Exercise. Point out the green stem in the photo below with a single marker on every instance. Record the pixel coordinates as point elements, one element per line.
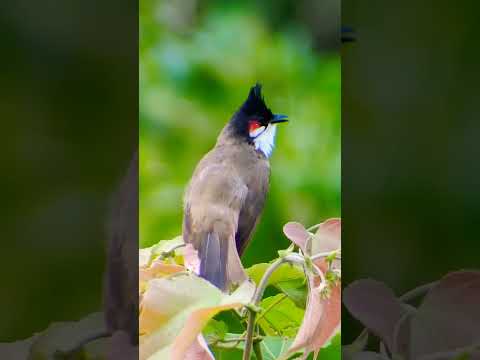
<point>257,350</point>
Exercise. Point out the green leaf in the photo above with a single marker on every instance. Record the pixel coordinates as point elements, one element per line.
<point>280,316</point>
<point>215,330</point>
<point>227,354</point>
<point>288,278</point>
<point>232,320</point>
<point>296,290</point>
<point>285,272</point>
<point>165,246</point>
<point>273,346</point>
<point>332,350</point>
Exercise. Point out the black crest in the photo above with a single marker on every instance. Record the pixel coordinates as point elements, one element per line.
<point>255,105</point>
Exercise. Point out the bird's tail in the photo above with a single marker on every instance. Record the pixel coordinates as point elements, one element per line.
<point>213,254</point>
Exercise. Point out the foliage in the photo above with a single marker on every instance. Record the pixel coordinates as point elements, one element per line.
<point>182,315</point>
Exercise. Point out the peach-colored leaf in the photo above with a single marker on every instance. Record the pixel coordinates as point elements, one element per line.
<point>297,233</point>
<point>158,269</point>
<point>174,311</point>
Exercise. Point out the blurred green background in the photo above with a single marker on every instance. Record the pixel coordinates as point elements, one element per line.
<point>197,63</point>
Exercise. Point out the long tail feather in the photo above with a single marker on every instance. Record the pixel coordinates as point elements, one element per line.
<point>213,253</point>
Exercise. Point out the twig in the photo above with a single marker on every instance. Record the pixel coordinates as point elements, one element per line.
<point>227,343</point>
<point>325,254</point>
<point>166,254</point>
<point>311,228</point>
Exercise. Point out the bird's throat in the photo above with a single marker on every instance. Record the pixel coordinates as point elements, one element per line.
<point>265,142</point>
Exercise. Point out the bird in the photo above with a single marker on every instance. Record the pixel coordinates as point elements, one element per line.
<point>226,194</point>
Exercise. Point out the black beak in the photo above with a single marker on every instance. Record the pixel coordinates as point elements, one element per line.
<point>277,118</point>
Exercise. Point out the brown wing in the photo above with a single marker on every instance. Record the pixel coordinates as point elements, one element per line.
<point>213,202</point>
<point>253,205</point>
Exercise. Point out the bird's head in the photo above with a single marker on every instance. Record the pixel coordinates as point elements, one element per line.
<point>255,123</point>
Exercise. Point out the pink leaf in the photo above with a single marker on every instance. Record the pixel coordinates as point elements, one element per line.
<point>199,350</point>
<point>321,320</point>
<point>328,236</point>
<point>297,233</point>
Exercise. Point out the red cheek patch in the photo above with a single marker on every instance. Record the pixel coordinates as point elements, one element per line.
<point>253,125</point>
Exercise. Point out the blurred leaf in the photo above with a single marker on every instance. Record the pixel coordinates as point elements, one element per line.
<point>18,350</point>
<point>350,351</point>
<point>452,308</point>
<point>365,298</point>
<point>65,336</point>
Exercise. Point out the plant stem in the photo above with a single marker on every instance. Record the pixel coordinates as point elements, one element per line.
<point>257,350</point>
<point>291,258</point>
<point>311,228</point>
<point>323,254</point>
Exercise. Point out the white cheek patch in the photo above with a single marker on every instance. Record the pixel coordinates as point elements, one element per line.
<point>257,131</point>
<point>266,140</point>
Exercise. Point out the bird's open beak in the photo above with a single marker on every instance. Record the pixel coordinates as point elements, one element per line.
<point>277,118</point>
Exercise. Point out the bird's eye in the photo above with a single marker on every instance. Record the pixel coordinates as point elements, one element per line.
<point>253,125</point>
<point>255,128</point>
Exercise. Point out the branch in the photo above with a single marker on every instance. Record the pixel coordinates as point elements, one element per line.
<point>325,254</point>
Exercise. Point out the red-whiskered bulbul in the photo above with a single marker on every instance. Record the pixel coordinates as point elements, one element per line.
<point>227,191</point>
